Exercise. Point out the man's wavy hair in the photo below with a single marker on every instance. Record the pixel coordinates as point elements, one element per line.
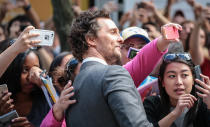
<point>84,25</point>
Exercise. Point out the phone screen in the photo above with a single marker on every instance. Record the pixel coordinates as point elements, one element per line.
<point>132,52</point>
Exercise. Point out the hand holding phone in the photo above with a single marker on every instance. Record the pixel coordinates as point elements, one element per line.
<point>132,52</point>
<point>5,120</point>
<point>170,31</point>
<point>197,74</point>
<point>45,36</point>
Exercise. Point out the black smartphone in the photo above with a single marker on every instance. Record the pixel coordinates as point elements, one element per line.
<point>198,72</point>
<point>5,120</point>
<point>132,52</point>
<point>197,75</point>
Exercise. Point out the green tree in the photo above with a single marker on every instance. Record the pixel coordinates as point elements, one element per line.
<point>62,17</point>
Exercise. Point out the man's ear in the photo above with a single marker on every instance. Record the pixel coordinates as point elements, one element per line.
<point>90,40</point>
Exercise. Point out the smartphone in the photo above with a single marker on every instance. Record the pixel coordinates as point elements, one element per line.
<point>45,36</point>
<point>3,88</point>
<point>197,75</point>
<point>171,33</point>
<point>198,72</point>
<point>132,52</point>
<point>5,120</point>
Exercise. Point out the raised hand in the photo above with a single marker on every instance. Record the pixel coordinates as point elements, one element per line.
<point>175,26</point>
<point>23,42</point>
<point>34,75</point>
<point>63,102</point>
<point>204,89</point>
<point>6,103</point>
<point>185,101</point>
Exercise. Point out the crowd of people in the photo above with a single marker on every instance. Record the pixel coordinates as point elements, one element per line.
<point>98,84</point>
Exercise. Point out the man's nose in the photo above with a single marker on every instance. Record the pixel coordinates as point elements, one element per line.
<point>120,40</point>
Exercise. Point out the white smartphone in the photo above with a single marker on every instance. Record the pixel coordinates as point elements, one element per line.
<point>3,88</point>
<point>46,37</point>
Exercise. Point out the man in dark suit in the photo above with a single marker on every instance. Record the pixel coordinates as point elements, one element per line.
<point>106,95</point>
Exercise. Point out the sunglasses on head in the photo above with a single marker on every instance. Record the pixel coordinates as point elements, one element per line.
<point>71,65</point>
<point>173,56</point>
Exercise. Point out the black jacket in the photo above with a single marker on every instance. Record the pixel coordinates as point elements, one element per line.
<point>154,111</point>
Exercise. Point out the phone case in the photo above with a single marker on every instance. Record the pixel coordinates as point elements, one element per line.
<point>132,52</point>
<point>171,33</point>
<point>5,119</point>
<point>46,37</point>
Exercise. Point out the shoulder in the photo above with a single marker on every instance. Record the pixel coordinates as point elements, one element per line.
<point>116,78</point>
<point>117,73</point>
<point>116,69</point>
<point>152,101</point>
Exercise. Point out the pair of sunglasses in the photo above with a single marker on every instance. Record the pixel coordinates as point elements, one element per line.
<point>71,66</point>
<point>182,56</point>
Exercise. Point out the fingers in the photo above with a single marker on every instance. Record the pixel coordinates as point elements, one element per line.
<point>68,84</point>
<point>205,83</point>
<point>27,29</point>
<point>177,26</point>
<point>205,91</point>
<point>20,122</point>
<point>186,100</point>
<point>206,79</point>
<point>67,90</point>
<point>5,98</point>
<point>201,95</point>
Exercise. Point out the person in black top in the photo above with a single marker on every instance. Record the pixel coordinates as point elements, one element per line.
<point>179,105</point>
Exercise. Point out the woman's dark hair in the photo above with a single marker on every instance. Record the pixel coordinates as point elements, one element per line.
<point>12,76</point>
<point>20,18</point>
<point>84,25</point>
<point>179,13</point>
<point>163,94</point>
<point>57,61</point>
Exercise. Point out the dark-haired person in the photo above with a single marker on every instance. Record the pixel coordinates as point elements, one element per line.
<point>57,67</point>
<point>55,117</point>
<point>177,105</point>
<point>112,97</point>
<point>29,100</point>
<point>106,95</point>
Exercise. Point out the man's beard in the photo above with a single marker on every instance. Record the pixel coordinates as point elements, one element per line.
<point>113,60</point>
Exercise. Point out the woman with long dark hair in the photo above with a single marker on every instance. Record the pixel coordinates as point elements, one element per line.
<point>178,105</point>
<point>28,98</point>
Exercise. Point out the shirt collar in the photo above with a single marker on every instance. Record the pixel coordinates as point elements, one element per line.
<point>94,59</point>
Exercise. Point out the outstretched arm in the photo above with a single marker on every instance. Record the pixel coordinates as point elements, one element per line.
<point>23,43</point>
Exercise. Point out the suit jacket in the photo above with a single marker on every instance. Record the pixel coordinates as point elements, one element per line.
<point>106,97</point>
